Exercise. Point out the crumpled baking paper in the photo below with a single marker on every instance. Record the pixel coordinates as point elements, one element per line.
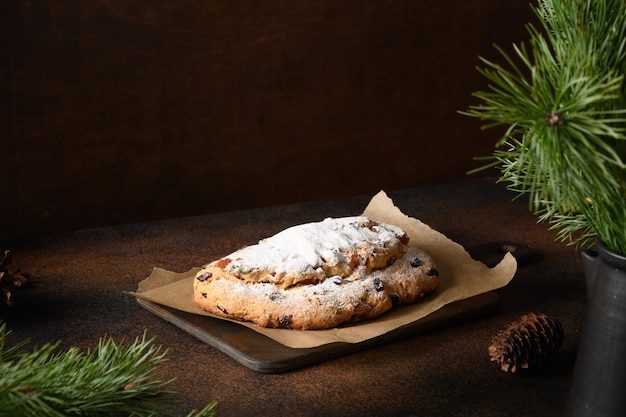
<point>460,277</point>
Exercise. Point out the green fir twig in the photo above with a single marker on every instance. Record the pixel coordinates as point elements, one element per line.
<point>114,379</point>
<point>562,100</point>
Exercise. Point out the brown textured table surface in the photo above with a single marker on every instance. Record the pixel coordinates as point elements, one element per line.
<point>77,296</point>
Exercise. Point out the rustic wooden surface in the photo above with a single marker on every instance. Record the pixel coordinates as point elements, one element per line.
<point>115,112</point>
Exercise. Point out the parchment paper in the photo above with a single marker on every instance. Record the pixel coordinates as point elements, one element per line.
<point>460,277</point>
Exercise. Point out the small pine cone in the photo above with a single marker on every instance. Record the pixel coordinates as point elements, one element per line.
<point>10,280</point>
<point>526,343</point>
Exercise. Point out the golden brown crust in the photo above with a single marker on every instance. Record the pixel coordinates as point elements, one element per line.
<point>355,269</point>
<point>328,304</point>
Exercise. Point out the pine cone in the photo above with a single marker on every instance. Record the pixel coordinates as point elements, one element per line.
<point>526,343</point>
<point>10,280</point>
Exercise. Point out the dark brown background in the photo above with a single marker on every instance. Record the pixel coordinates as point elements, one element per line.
<point>124,111</point>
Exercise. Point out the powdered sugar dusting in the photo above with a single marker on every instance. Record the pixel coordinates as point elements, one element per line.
<point>306,249</point>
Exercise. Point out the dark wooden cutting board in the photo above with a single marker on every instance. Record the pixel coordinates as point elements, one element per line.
<point>263,354</point>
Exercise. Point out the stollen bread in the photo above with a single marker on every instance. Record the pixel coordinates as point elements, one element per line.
<point>318,275</point>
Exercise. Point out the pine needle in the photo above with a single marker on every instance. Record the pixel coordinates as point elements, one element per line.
<point>114,379</point>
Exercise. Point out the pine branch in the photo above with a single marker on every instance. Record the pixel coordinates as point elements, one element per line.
<point>115,379</point>
<point>563,101</point>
